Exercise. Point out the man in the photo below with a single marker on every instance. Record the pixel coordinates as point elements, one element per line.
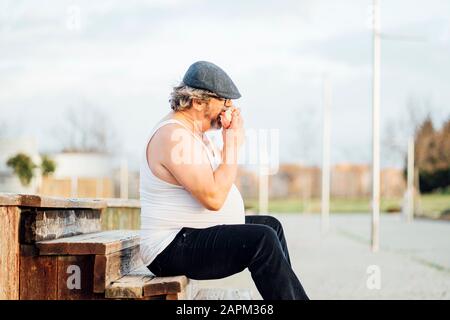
<point>192,217</point>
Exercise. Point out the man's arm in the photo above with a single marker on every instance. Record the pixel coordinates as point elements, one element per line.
<point>186,159</point>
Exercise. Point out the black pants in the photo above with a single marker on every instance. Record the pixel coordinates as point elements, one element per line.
<point>223,250</point>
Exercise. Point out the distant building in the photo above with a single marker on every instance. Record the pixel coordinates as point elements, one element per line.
<point>80,174</point>
<point>347,181</point>
<point>247,183</point>
<point>351,180</point>
<point>294,180</point>
<point>392,182</point>
<point>83,165</point>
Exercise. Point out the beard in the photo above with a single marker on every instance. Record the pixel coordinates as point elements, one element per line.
<point>215,123</point>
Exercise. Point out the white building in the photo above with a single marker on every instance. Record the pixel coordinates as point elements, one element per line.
<point>83,165</point>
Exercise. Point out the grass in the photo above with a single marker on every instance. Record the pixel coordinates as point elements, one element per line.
<point>434,204</point>
<point>430,204</point>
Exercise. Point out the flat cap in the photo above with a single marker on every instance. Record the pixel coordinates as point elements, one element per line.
<point>208,76</point>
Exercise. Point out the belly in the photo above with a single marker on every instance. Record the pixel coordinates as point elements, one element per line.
<point>183,210</point>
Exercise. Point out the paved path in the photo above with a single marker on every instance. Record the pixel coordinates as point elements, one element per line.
<point>414,259</point>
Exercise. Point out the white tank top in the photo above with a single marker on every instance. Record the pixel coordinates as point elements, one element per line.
<point>166,207</point>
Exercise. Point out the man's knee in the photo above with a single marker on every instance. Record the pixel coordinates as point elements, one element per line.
<point>266,246</point>
<point>266,234</point>
<point>274,223</point>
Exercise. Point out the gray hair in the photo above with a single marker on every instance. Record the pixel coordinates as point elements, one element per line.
<point>182,95</point>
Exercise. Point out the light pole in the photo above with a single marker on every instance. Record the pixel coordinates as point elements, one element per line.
<point>263,174</point>
<point>325,217</point>
<point>375,241</point>
<point>410,181</point>
<point>377,36</point>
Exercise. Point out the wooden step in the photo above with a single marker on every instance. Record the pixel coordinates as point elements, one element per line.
<point>141,284</point>
<point>223,294</point>
<point>48,224</point>
<point>111,267</point>
<point>54,277</point>
<point>99,243</point>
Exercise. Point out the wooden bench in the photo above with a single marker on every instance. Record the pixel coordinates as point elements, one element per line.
<point>46,241</point>
<point>116,265</point>
<point>115,253</point>
<point>55,248</point>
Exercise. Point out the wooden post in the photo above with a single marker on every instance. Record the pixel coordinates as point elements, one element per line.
<point>9,252</point>
<point>38,275</point>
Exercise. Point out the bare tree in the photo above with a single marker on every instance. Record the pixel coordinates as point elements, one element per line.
<point>86,128</point>
<point>397,130</point>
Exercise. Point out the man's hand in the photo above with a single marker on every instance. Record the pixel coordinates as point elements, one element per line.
<point>233,137</point>
<point>225,118</point>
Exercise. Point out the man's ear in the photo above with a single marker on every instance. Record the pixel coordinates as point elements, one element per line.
<point>198,104</point>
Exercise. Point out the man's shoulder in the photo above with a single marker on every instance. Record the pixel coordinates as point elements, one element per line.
<point>169,131</point>
<point>176,135</point>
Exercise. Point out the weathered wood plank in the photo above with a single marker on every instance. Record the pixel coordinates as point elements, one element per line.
<point>223,294</point>
<point>15,199</point>
<point>133,289</point>
<point>176,296</point>
<point>76,277</point>
<point>130,286</point>
<point>9,252</point>
<point>111,267</point>
<point>165,285</point>
<point>9,199</point>
<point>122,203</point>
<point>41,225</point>
<point>104,243</point>
<point>182,295</point>
<point>38,275</point>
<point>120,291</point>
<point>27,200</point>
<point>161,297</point>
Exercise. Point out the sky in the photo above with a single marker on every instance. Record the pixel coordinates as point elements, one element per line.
<point>123,57</point>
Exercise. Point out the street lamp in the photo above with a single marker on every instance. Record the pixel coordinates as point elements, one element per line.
<point>375,240</point>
